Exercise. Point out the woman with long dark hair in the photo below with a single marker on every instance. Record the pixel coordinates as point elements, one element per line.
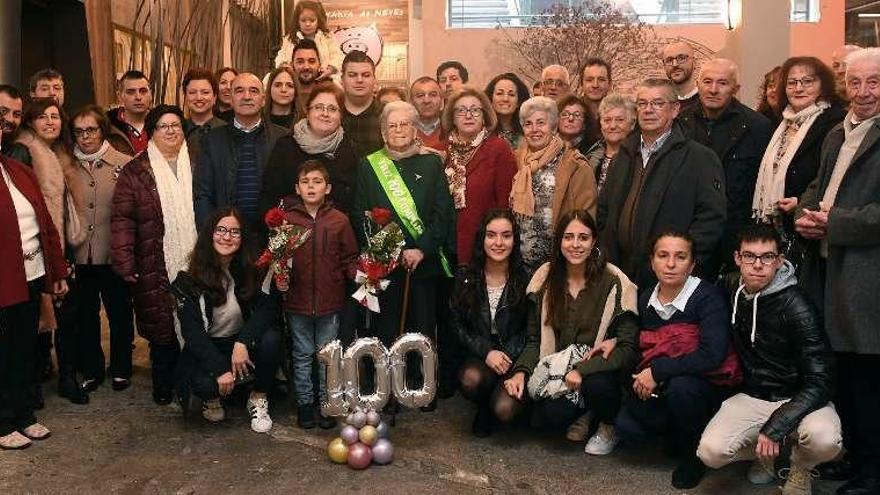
<point>582,326</point>
<point>228,325</point>
<point>507,93</point>
<point>281,88</point>
<point>488,313</point>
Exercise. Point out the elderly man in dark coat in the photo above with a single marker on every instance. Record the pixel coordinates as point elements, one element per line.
<point>661,180</point>
<point>738,135</point>
<point>840,212</point>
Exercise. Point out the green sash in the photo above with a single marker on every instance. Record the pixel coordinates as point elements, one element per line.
<point>401,199</point>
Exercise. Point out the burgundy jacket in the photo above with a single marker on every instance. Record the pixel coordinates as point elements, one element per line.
<point>13,282</point>
<point>322,264</point>
<point>489,179</point>
<point>137,230</point>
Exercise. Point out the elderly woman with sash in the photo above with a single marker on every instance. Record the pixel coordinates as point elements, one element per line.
<point>408,180</point>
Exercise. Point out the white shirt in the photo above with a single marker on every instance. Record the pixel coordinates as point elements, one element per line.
<point>29,228</point>
<point>247,130</point>
<point>227,320</point>
<point>690,94</point>
<point>665,311</point>
<point>648,150</point>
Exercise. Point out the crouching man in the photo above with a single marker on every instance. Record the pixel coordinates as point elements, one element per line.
<point>788,372</point>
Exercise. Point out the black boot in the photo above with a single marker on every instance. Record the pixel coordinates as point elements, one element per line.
<point>482,426</point>
<point>70,388</point>
<point>305,417</point>
<point>861,485</point>
<point>843,469</point>
<point>688,473</point>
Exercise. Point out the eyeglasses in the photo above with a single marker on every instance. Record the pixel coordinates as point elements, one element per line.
<point>549,83</point>
<point>403,125</point>
<point>85,131</point>
<point>472,111</point>
<point>571,115</point>
<point>766,258</point>
<point>221,231</point>
<point>806,82</point>
<point>658,104</point>
<point>173,127</point>
<point>676,60</point>
<point>320,107</point>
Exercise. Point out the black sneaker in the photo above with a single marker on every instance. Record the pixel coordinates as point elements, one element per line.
<point>163,396</point>
<point>305,417</point>
<point>325,423</point>
<point>688,474</point>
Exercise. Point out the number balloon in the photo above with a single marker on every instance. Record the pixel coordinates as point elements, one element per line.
<point>374,349</point>
<point>422,345</point>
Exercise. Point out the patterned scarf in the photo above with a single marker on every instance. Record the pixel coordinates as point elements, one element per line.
<point>770,186</point>
<point>314,145</point>
<point>461,152</point>
<point>522,196</point>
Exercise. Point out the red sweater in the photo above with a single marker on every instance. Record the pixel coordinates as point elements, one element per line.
<point>489,179</point>
<point>13,282</point>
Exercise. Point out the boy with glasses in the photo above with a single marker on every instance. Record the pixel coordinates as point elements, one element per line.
<point>788,366</point>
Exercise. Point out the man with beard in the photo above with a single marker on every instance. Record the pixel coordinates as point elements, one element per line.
<point>233,157</point>
<point>10,117</point>
<point>360,119</point>
<point>678,62</point>
<point>136,98</point>
<point>427,97</point>
<point>307,66</point>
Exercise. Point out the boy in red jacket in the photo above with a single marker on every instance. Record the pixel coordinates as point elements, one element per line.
<point>318,274</point>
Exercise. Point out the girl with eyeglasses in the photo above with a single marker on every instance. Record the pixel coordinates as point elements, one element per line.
<point>228,326</point>
<point>153,231</point>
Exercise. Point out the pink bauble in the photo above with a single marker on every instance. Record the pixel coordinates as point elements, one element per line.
<point>359,456</point>
<point>383,452</point>
<point>349,434</point>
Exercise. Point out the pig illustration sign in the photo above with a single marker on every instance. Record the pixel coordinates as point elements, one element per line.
<point>362,38</point>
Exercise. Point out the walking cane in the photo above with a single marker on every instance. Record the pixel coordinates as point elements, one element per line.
<point>405,301</point>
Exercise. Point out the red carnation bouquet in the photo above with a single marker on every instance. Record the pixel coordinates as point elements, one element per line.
<point>379,258</point>
<point>284,238</point>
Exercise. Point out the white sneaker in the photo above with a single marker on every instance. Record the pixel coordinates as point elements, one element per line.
<point>761,473</point>
<point>603,441</point>
<point>212,410</point>
<point>259,409</point>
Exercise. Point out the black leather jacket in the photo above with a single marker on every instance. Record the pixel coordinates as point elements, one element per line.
<point>787,358</point>
<point>475,334</point>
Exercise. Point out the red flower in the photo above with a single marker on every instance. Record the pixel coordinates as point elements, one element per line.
<point>380,215</point>
<point>274,218</point>
<point>264,259</point>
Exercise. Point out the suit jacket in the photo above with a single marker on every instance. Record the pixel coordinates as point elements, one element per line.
<point>684,191</point>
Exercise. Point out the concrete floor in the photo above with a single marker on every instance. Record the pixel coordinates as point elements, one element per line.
<point>123,443</point>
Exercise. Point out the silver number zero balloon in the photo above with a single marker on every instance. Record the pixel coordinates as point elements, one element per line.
<point>377,352</point>
<point>414,342</point>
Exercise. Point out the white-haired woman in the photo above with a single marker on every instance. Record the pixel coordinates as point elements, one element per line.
<point>423,208</point>
<point>552,179</point>
<point>617,118</point>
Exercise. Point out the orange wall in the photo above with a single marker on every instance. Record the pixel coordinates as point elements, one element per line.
<point>474,47</point>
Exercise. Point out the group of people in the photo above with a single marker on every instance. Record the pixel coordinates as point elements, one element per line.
<point>667,263</point>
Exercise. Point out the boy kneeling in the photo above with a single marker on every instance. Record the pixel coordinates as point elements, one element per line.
<point>788,372</point>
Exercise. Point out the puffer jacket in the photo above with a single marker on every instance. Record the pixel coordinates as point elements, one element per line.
<point>475,334</point>
<point>136,249</point>
<point>322,264</point>
<point>785,354</point>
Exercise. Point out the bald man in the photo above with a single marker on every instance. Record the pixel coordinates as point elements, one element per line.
<point>838,65</point>
<point>232,158</point>
<point>555,82</point>
<point>679,62</point>
<point>738,135</point>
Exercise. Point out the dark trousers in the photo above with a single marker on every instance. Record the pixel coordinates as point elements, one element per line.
<point>266,358</point>
<point>858,404</point>
<point>601,393</point>
<point>67,333</point>
<point>448,347</point>
<point>164,362</point>
<point>98,284</point>
<point>683,409</point>
<point>421,313</point>
<point>18,342</point>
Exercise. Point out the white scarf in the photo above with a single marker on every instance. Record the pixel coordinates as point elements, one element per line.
<point>770,187</point>
<point>92,157</point>
<point>176,198</point>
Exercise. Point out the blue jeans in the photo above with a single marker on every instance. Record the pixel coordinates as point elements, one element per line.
<point>309,334</point>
